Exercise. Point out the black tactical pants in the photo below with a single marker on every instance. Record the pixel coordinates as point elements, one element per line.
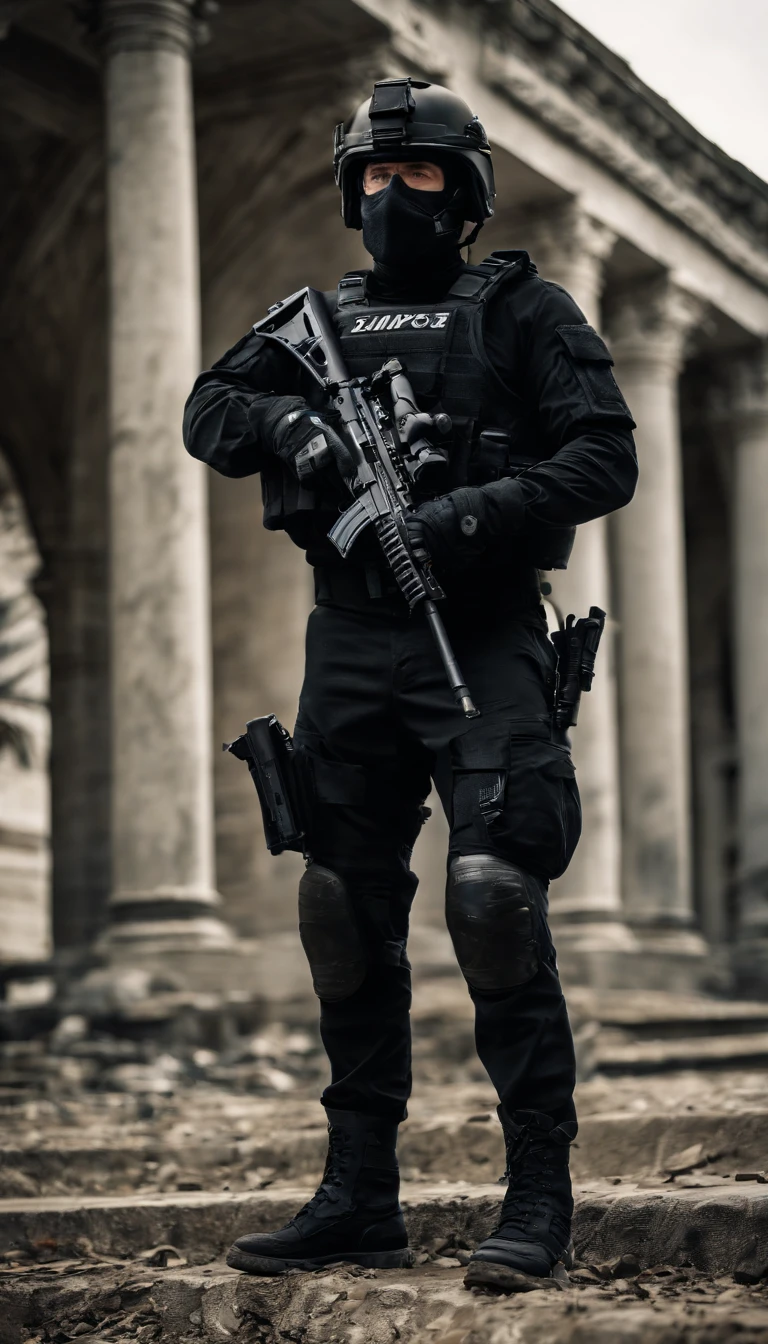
<point>377,721</point>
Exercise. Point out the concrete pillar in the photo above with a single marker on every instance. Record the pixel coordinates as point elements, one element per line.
<point>707,418</point>
<point>649,327</point>
<point>571,248</point>
<point>162,814</point>
<point>750,560</point>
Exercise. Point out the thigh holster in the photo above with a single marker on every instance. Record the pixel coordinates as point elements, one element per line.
<point>329,934</point>
<point>493,911</point>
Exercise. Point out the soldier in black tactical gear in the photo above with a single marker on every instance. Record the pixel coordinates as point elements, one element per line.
<point>540,442</point>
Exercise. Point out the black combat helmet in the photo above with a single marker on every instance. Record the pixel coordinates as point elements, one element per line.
<point>404,119</point>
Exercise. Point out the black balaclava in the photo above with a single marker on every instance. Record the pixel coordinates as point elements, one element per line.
<point>399,231</point>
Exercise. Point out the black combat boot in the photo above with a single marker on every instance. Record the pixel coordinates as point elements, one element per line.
<point>534,1230</point>
<point>355,1214</point>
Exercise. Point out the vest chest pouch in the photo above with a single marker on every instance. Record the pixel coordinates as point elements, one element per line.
<point>419,336</point>
<point>442,350</point>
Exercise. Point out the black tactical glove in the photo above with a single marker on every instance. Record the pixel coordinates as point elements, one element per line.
<point>457,529</point>
<point>302,438</point>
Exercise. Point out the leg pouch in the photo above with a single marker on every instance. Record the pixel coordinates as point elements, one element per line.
<point>527,810</point>
<point>540,822</point>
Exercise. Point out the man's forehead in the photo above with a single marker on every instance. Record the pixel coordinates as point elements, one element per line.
<point>401,163</point>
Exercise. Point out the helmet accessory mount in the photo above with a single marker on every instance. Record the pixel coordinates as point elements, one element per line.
<point>389,109</point>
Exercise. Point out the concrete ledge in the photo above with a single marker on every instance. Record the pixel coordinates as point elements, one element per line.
<point>607,1145</point>
<point>426,1305</point>
<point>749,1051</point>
<point>716,1228</point>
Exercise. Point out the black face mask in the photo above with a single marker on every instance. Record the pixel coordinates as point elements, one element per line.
<point>399,225</point>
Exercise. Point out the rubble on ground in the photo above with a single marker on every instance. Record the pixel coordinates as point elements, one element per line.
<point>130,1154</point>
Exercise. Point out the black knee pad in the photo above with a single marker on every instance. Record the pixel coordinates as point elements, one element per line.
<point>493,913</point>
<point>329,934</point>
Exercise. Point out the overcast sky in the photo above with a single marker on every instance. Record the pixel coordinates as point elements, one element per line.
<point>708,58</point>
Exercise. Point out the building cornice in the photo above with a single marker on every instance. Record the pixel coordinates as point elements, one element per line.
<point>542,61</point>
<point>601,82</point>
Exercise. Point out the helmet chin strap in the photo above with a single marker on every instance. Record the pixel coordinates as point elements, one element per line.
<point>471,237</point>
<point>445,222</point>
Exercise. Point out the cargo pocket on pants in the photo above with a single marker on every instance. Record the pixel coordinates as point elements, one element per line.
<point>539,824</point>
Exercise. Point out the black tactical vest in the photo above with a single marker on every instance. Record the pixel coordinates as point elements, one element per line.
<point>442,349</point>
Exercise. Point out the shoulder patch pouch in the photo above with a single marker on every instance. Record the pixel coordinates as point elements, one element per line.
<point>591,360</point>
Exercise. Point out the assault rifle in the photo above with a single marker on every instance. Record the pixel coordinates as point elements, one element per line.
<point>387,450</point>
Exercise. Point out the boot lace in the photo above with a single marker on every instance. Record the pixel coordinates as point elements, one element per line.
<point>530,1171</point>
<point>336,1164</point>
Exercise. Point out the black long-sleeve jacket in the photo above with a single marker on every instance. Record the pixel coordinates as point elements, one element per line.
<point>552,373</point>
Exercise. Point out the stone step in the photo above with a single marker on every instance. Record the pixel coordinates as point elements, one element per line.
<point>610,1029</point>
<point>467,1149</point>
<point>717,1226</point>
<point>660,1013</point>
<point>616,1056</point>
<point>424,1305</point>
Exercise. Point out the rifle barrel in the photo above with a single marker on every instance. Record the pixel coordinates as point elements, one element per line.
<point>457,682</point>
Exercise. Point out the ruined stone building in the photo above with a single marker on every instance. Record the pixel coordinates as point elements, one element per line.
<point>158,192</point>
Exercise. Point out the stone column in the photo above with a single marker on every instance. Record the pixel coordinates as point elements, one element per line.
<point>649,327</point>
<point>571,248</point>
<point>164,899</point>
<point>750,560</point>
<point>707,416</point>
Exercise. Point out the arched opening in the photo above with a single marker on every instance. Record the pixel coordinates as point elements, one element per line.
<point>25,932</point>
